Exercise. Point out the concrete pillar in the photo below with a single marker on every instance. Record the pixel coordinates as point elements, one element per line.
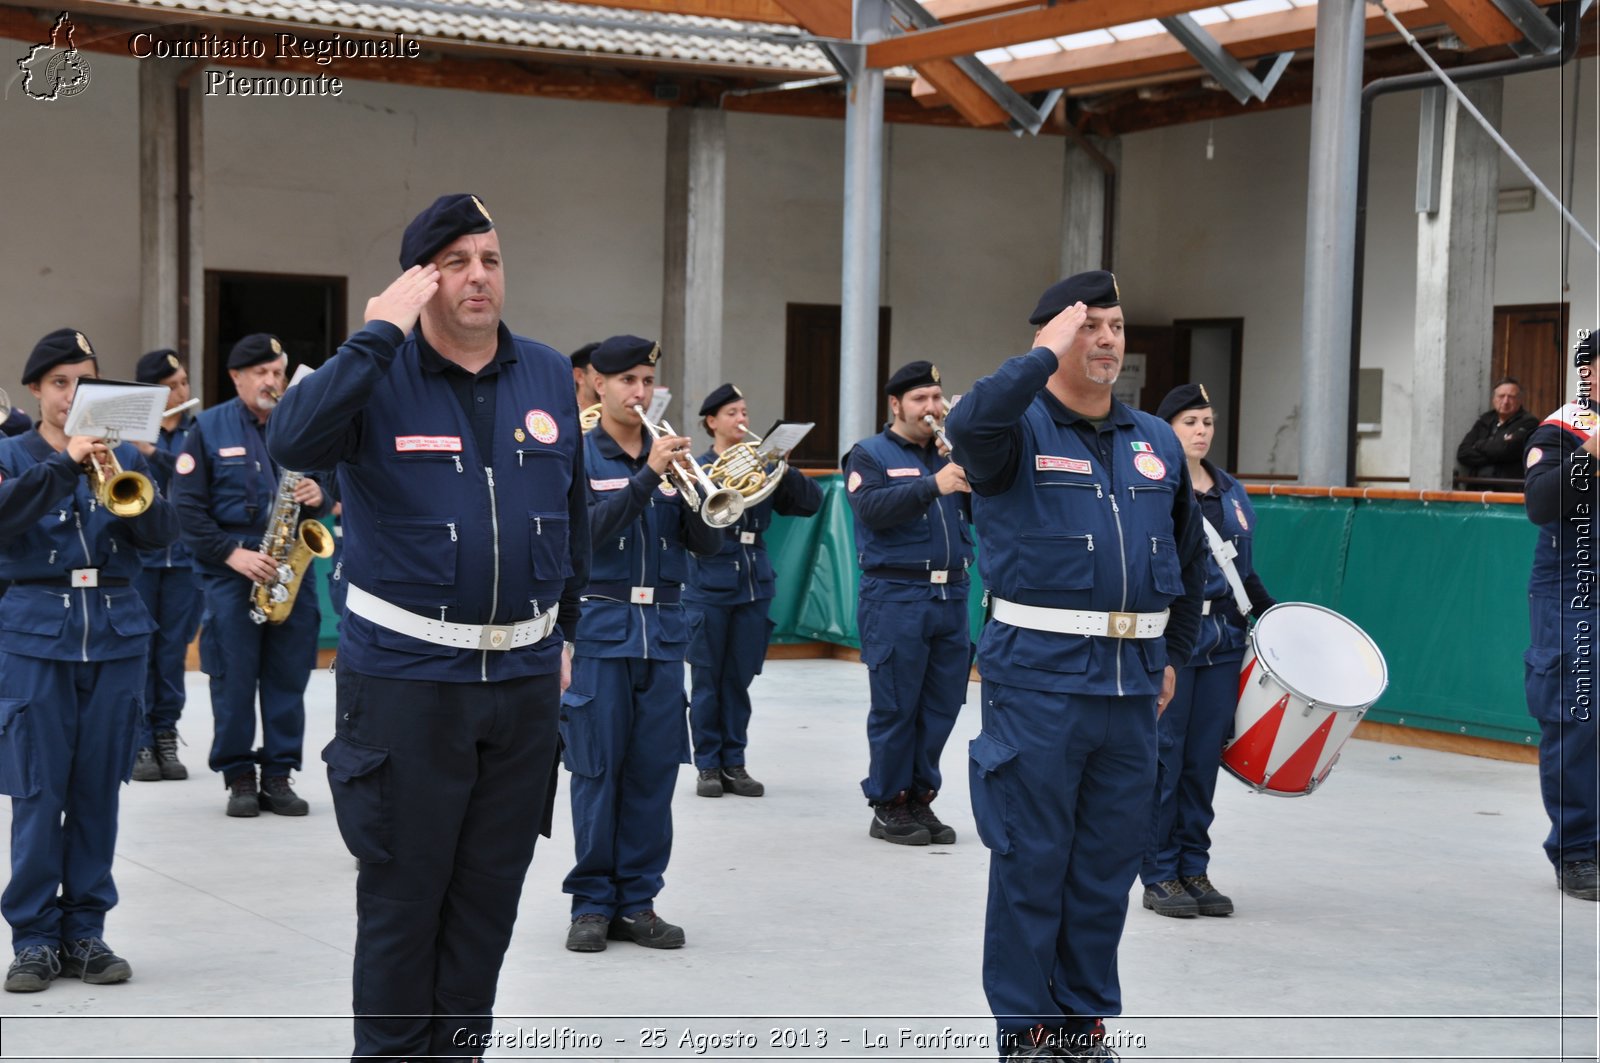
<point>191,229</point>
<point>691,316</point>
<point>859,402</point>
<point>1083,205</point>
<point>1455,292</point>
<point>1330,242</point>
<point>158,205</point>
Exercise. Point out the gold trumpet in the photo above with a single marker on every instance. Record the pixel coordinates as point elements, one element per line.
<point>124,494</point>
<point>723,505</point>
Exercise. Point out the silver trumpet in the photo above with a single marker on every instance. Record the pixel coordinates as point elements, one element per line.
<point>938,430</point>
<point>723,505</point>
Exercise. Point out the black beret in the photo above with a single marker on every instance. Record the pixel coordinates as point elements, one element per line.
<point>1094,288</point>
<point>448,219</point>
<point>621,353</point>
<point>1183,397</point>
<point>156,366</point>
<point>719,398</point>
<point>254,349</point>
<point>912,375</point>
<point>581,356</point>
<point>16,424</point>
<point>64,346</point>
<point>1583,354</point>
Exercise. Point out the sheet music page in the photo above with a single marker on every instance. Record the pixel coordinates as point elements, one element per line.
<point>785,436</point>
<point>117,410</point>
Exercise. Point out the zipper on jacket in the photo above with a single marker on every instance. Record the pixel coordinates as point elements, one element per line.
<point>494,524</point>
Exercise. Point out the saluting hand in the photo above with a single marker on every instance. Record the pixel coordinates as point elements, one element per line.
<point>1169,686</point>
<point>307,493</point>
<point>402,302</point>
<point>253,565</point>
<point>668,449</point>
<point>952,478</point>
<point>1061,331</point>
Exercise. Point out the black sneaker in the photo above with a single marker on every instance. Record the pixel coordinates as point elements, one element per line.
<point>892,821</point>
<point>588,933</point>
<point>278,796</point>
<point>939,833</point>
<point>737,781</point>
<point>708,783</point>
<point>35,967</point>
<point>1206,897</point>
<point>167,755</point>
<point>1580,879</point>
<point>242,796</point>
<point>648,929</point>
<point>1170,898</point>
<point>146,768</point>
<point>91,960</point>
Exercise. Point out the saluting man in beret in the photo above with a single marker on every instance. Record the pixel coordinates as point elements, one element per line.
<point>168,586</point>
<point>226,487</point>
<point>466,535</point>
<point>1092,558</point>
<point>73,653</point>
<point>914,546</point>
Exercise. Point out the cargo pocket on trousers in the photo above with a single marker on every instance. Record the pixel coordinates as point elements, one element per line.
<point>358,779</point>
<point>16,749</point>
<point>989,783</point>
<point>580,746</point>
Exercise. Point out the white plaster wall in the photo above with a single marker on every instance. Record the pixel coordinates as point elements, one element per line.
<point>69,216</point>
<point>328,185</point>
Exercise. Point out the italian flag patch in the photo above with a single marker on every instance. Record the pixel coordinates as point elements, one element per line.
<point>1142,447</point>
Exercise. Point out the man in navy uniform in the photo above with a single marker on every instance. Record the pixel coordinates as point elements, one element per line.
<point>728,597</point>
<point>73,646</point>
<point>622,720</point>
<point>1564,617</point>
<point>459,467</point>
<point>168,586</point>
<point>914,547</point>
<point>583,376</point>
<point>226,488</point>
<point>1092,555</point>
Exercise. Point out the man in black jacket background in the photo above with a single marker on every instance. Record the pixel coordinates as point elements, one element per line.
<point>1493,446</point>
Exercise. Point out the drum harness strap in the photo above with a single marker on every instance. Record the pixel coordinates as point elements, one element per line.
<point>1225,552</point>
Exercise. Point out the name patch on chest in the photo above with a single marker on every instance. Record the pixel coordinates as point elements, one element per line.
<point>232,452</point>
<point>609,485</point>
<point>1043,462</point>
<point>427,444</point>
<point>903,472</point>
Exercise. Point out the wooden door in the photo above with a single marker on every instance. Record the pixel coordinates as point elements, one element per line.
<point>811,378</point>
<point>1532,345</point>
<point>1162,371</point>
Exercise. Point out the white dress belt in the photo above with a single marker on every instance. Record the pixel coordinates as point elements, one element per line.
<point>444,633</point>
<point>1081,621</point>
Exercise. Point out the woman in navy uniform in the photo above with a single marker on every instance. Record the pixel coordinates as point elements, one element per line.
<point>226,490</point>
<point>1092,545</point>
<point>728,597</point>
<point>622,720</point>
<point>74,640</point>
<point>1199,717</point>
<point>168,586</point>
<point>914,546</point>
<point>459,467</point>
<point>1564,617</point>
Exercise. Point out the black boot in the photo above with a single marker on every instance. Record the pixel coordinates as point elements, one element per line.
<point>1206,897</point>
<point>146,766</point>
<point>93,961</point>
<point>242,796</point>
<point>167,756</point>
<point>278,796</point>
<point>737,781</point>
<point>939,833</point>
<point>34,968</point>
<point>1580,879</point>
<point>892,821</point>
<point>709,783</point>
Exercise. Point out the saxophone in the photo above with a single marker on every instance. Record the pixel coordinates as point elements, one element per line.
<point>291,546</point>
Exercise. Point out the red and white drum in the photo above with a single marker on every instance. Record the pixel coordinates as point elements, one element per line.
<point>1308,677</point>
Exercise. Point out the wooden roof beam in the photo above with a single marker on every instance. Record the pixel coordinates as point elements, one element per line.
<point>1246,38</point>
<point>825,18</point>
<point>1479,23</point>
<point>969,38</point>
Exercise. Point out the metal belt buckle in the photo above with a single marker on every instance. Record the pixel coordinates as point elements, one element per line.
<point>86,577</point>
<point>1122,625</point>
<point>939,575</point>
<point>496,637</point>
<point>643,596</point>
<point>747,538</point>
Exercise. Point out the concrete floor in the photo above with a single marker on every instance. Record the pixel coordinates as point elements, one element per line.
<point>1404,911</point>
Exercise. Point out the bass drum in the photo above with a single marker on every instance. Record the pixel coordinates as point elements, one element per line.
<point>1308,677</point>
